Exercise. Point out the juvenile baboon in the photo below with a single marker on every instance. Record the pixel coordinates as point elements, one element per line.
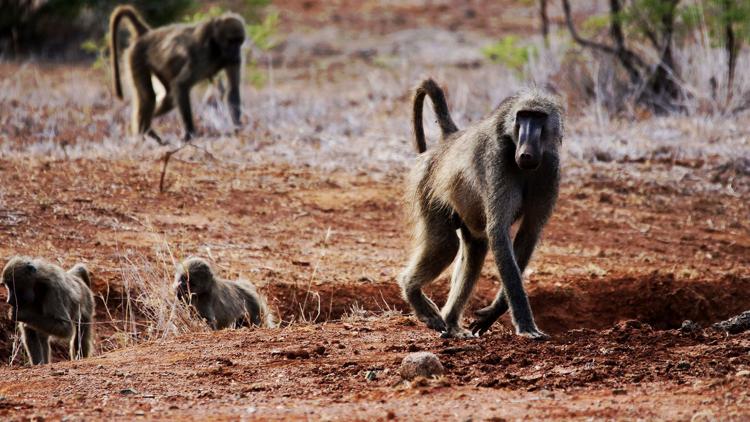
<point>179,56</point>
<point>48,302</point>
<point>466,193</point>
<point>222,303</point>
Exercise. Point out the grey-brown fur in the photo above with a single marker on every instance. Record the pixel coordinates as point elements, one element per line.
<point>465,194</point>
<point>222,303</point>
<point>48,302</point>
<point>180,56</point>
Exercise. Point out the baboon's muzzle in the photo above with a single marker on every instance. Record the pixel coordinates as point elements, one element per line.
<point>528,149</point>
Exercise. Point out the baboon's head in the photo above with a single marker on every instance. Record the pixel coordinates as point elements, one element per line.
<point>194,277</point>
<point>535,124</point>
<point>20,278</point>
<point>226,36</point>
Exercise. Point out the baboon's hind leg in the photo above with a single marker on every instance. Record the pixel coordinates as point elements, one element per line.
<point>81,344</point>
<point>437,245</point>
<point>473,251</point>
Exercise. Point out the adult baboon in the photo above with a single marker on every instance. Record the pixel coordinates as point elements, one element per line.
<point>180,56</point>
<point>222,303</point>
<point>466,193</point>
<point>47,301</point>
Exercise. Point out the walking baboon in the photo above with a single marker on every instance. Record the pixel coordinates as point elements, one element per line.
<point>466,193</point>
<point>179,56</point>
<point>47,301</point>
<point>223,304</point>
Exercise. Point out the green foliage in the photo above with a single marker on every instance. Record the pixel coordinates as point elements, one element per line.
<point>98,48</point>
<point>720,13</point>
<point>156,12</point>
<point>594,24</point>
<point>509,52</point>
<point>264,34</point>
<point>201,15</point>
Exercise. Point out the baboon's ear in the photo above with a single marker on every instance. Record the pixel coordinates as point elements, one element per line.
<point>31,268</point>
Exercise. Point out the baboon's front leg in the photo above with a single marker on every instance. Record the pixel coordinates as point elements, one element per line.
<point>513,290</point>
<point>233,94</point>
<point>523,247</point>
<point>182,97</point>
<point>37,348</point>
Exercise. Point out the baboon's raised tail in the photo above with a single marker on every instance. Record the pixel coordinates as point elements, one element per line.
<point>429,87</point>
<point>137,24</point>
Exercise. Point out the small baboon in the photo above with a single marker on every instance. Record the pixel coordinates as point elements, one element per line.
<point>48,302</point>
<point>222,303</point>
<point>179,56</point>
<point>465,194</point>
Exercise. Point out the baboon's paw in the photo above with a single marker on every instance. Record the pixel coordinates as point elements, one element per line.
<point>485,318</point>
<point>534,334</point>
<point>457,332</point>
<point>434,322</point>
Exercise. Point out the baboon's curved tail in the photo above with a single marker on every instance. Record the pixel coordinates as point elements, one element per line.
<point>81,272</point>
<point>429,87</point>
<point>139,26</point>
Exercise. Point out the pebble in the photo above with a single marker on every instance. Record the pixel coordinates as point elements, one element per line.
<point>420,364</point>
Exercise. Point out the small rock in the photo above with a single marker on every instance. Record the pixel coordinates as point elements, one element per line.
<point>744,373</point>
<point>371,375</point>
<point>420,364</point>
<point>619,392</point>
<point>735,325</point>
<point>689,326</point>
<point>683,365</point>
<point>320,350</point>
<point>297,354</point>
<point>128,391</point>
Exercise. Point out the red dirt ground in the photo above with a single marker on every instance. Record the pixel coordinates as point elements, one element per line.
<point>614,250</point>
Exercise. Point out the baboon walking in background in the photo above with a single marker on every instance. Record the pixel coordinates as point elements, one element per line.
<point>222,303</point>
<point>180,56</point>
<point>47,301</point>
<point>466,193</point>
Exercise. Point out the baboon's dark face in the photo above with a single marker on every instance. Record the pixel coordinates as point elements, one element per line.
<point>195,279</point>
<point>530,138</point>
<point>21,286</point>
<point>229,35</point>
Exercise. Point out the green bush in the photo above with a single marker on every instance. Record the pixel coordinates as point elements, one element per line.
<point>510,52</point>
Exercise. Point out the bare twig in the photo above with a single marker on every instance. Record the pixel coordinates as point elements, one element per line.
<point>167,155</point>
